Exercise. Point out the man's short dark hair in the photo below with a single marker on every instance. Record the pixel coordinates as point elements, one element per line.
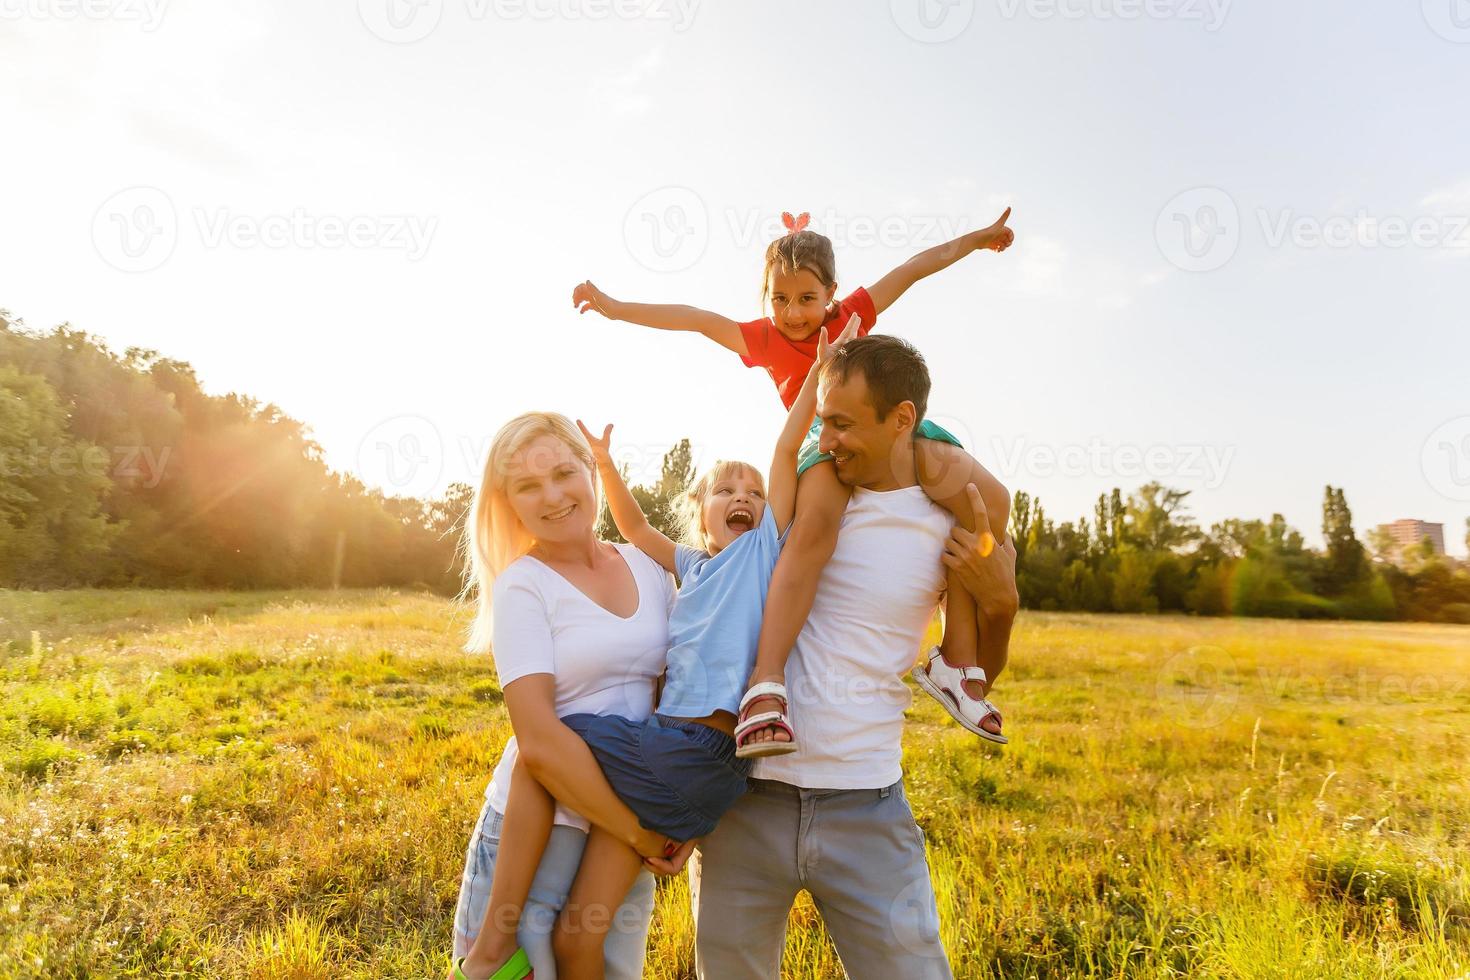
<point>893,368</point>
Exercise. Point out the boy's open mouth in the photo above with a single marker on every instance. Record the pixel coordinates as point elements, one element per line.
<point>740,520</point>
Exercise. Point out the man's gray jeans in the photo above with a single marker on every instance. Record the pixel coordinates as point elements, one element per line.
<point>860,855</point>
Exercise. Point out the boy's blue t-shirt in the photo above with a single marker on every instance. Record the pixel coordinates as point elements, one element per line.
<point>716,621</point>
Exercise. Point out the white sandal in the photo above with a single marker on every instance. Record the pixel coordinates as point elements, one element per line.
<point>767,719</point>
<point>945,683</point>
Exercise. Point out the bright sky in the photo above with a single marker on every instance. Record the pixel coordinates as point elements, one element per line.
<point>373,213</point>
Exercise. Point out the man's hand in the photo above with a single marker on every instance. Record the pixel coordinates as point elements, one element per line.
<point>987,572</point>
<point>997,237</point>
<point>672,864</point>
<point>601,448</point>
<point>588,297</point>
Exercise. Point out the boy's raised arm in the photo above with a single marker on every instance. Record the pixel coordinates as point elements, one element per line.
<point>887,290</point>
<point>626,514</point>
<point>662,316</point>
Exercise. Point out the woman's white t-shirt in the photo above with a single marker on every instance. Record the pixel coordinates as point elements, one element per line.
<point>603,664</point>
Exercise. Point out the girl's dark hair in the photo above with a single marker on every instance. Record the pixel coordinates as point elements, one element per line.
<point>802,250</point>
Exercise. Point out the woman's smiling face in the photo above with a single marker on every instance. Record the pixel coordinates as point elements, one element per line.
<point>733,506</point>
<point>551,490</point>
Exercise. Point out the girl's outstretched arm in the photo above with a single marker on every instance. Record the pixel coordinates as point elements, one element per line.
<point>626,514</point>
<point>888,289</point>
<point>781,493</point>
<point>662,316</point>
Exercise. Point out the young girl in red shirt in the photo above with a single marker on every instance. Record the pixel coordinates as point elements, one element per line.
<point>800,281</point>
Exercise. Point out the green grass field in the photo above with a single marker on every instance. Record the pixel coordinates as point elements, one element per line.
<point>282,785</point>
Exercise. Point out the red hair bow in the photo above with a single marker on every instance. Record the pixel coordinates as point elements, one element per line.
<point>798,223</point>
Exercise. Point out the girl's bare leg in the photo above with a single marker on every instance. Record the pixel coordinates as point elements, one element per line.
<point>608,869</point>
<point>821,500</point>
<point>944,472</point>
<point>529,811</point>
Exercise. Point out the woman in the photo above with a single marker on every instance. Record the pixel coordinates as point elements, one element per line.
<point>576,625</point>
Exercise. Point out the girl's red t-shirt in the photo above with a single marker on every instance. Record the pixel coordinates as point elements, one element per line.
<point>788,361</point>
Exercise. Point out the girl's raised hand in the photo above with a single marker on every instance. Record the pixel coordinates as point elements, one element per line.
<point>588,297</point>
<point>601,448</point>
<point>997,237</point>
<point>825,349</point>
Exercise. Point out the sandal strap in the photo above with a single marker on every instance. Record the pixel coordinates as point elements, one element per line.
<point>762,720</point>
<point>765,689</point>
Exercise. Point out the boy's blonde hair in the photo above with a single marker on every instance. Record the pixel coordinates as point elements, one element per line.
<point>493,535</point>
<point>689,507</point>
<point>799,250</point>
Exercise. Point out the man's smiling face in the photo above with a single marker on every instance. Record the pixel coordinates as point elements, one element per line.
<point>860,444</point>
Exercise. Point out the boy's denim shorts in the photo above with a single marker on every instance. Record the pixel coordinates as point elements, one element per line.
<point>679,777</point>
<point>810,455</point>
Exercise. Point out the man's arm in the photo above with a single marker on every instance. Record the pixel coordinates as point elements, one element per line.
<point>988,572</point>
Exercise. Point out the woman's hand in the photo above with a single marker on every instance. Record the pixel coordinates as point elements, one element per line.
<point>601,448</point>
<point>588,297</point>
<point>674,863</point>
<point>652,844</point>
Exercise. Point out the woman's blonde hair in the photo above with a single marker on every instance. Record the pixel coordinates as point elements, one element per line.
<point>799,250</point>
<point>689,507</point>
<point>493,535</point>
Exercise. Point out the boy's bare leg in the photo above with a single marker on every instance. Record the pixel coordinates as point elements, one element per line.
<point>821,500</point>
<point>608,869</point>
<point>529,811</point>
<point>944,472</point>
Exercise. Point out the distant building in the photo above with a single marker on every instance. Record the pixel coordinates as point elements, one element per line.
<point>1408,533</point>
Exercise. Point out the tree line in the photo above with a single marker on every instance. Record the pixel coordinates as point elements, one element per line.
<point>119,470</point>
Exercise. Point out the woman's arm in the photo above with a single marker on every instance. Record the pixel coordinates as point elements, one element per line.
<point>626,514</point>
<point>560,761</point>
<point>888,289</point>
<point>781,491</point>
<point>662,316</point>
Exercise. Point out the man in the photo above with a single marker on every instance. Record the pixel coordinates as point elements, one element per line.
<point>831,817</point>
